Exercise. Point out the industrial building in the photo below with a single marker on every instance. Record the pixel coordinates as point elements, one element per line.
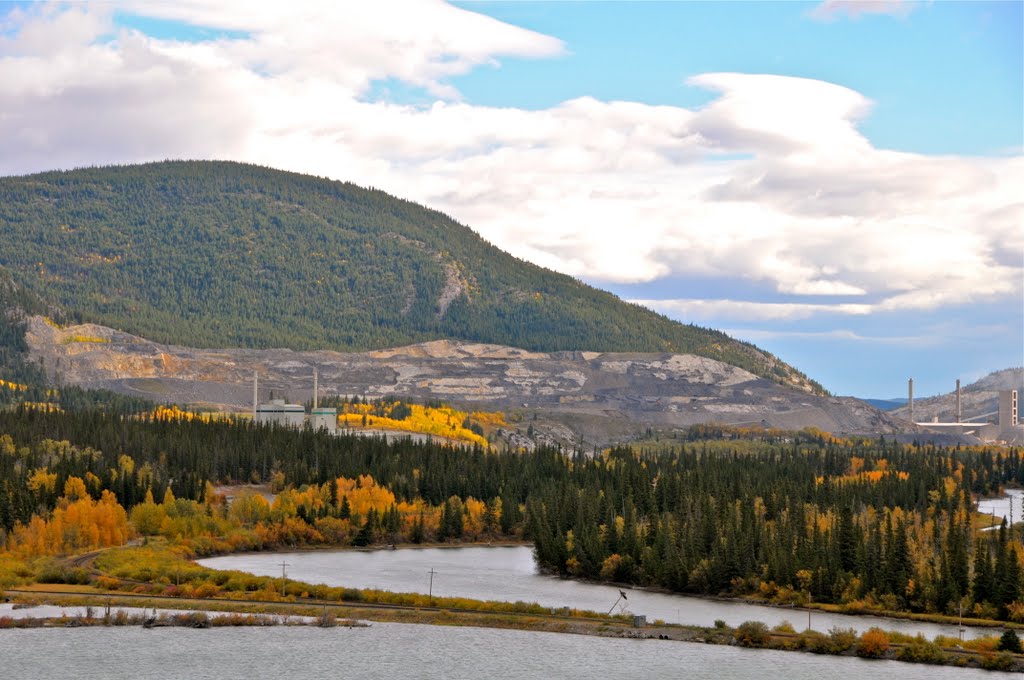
<point>278,411</point>
<point>321,418</point>
<point>1010,428</point>
<point>1007,427</point>
<point>324,419</point>
<point>1008,409</point>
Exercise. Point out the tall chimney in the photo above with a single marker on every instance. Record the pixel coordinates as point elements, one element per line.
<point>910,398</point>
<point>255,394</point>
<point>958,412</point>
<point>315,388</point>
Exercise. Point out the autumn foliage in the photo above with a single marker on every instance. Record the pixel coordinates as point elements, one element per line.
<point>440,421</point>
<point>873,643</point>
<point>78,523</point>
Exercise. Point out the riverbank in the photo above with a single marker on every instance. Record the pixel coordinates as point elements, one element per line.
<point>172,581</point>
<point>800,610</point>
<point>319,612</point>
<point>379,547</point>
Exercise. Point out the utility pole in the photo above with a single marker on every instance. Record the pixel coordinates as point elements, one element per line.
<point>284,577</point>
<point>430,592</point>
<point>622,596</point>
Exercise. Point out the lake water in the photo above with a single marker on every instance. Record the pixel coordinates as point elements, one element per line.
<point>410,651</point>
<point>1010,505</point>
<point>49,611</point>
<point>510,574</point>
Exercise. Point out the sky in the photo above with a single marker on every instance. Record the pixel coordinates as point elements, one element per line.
<point>838,182</point>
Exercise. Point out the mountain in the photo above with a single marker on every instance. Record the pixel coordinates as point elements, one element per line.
<point>219,254</point>
<point>564,398</point>
<point>980,398</point>
<point>886,404</point>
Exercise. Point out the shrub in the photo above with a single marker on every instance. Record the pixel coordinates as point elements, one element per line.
<point>327,619</point>
<point>997,662</point>
<point>53,573</point>
<point>1009,642</point>
<point>841,640</point>
<point>719,623</point>
<point>982,644</point>
<point>752,634</point>
<point>873,643</point>
<point>107,583</point>
<point>813,641</point>
<point>784,627</point>
<point>206,590</point>
<point>920,650</point>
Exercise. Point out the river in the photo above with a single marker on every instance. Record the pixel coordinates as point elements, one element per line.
<point>392,650</point>
<point>510,574</point>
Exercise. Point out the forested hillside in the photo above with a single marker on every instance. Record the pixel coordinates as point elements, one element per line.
<point>217,254</point>
<point>22,381</point>
<point>867,524</point>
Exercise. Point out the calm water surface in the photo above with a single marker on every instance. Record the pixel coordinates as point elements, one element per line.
<point>410,651</point>
<point>1010,505</point>
<point>510,574</point>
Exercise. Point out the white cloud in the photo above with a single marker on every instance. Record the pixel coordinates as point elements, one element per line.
<point>830,10</point>
<point>771,182</point>
<point>696,310</point>
<point>351,44</point>
<point>932,335</point>
<point>843,335</point>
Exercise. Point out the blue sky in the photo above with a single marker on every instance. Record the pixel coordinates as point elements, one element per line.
<point>837,182</point>
<point>936,75</point>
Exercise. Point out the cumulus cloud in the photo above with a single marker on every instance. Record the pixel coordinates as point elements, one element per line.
<point>771,182</point>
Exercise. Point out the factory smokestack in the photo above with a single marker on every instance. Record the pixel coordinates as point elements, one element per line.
<point>255,394</point>
<point>910,398</point>
<point>958,412</point>
<point>316,388</point>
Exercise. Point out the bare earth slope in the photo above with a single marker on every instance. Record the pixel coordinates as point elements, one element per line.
<point>564,397</point>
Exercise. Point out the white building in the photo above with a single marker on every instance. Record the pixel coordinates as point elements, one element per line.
<point>281,413</point>
<point>324,419</point>
<point>277,411</point>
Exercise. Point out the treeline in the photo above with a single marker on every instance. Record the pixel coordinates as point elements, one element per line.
<point>253,257</point>
<point>866,524</point>
<point>192,452</point>
<point>24,381</point>
<point>15,368</point>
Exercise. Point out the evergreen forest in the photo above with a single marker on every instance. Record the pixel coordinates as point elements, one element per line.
<point>786,517</point>
<point>219,254</point>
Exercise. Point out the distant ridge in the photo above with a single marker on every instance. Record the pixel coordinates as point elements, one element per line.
<point>886,404</point>
<point>221,254</point>
<point>978,398</point>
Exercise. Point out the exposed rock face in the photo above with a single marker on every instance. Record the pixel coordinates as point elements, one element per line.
<point>564,397</point>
